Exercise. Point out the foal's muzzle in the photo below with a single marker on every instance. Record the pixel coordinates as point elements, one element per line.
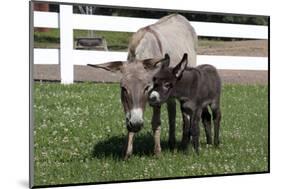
<point>154,98</point>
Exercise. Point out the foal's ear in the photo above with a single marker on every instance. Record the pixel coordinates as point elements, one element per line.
<point>180,67</point>
<point>152,63</point>
<point>114,66</point>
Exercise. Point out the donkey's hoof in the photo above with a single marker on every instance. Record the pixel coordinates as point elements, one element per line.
<point>126,157</point>
<point>157,155</point>
<point>157,152</point>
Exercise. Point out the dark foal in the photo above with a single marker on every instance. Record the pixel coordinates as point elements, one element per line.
<point>197,89</point>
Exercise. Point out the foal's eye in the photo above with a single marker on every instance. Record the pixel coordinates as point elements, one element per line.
<point>167,85</point>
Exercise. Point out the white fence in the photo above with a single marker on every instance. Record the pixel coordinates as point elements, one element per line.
<point>67,57</point>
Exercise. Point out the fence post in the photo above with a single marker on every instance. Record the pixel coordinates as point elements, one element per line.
<point>66,44</point>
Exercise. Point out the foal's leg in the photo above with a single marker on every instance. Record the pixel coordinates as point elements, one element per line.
<point>156,123</point>
<point>217,119</point>
<point>195,129</point>
<point>171,107</point>
<point>185,128</point>
<point>206,120</point>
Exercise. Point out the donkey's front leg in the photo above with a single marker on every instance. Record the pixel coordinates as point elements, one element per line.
<point>128,147</point>
<point>156,127</point>
<point>171,107</point>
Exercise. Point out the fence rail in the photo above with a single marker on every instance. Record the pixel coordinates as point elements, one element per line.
<point>127,24</point>
<point>67,57</point>
<point>84,57</point>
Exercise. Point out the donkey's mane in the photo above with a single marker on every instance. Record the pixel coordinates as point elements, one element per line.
<point>193,69</point>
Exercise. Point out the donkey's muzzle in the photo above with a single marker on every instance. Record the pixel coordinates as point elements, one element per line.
<point>135,120</point>
<point>134,127</point>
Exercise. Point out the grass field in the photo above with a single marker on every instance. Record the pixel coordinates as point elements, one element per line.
<point>115,40</point>
<point>79,130</point>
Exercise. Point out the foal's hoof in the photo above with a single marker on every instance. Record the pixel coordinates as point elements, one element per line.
<point>172,148</point>
<point>216,144</point>
<point>183,146</point>
<point>172,145</point>
<point>209,143</point>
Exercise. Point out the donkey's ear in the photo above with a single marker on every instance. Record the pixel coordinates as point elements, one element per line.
<point>180,67</point>
<point>165,61</point>
<point>109,66</point>
<point>152,63</point>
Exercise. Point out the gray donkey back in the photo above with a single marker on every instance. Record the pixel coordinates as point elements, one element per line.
<point>171,34</point>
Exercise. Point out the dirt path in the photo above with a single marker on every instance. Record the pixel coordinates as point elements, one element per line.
<point>84,73</point>
<point>254,48</point>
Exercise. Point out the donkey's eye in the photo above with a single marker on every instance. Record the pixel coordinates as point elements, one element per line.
<point>124,90</point>
<point>147,88</point>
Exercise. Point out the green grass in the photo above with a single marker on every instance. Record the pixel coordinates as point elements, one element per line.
<point>115,40</point>
<point>80,129</point>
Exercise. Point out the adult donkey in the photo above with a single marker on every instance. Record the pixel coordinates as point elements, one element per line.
<point>172,34</point>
